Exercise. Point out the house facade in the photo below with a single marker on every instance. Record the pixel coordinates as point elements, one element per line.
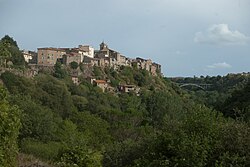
<point>148,65</point>
<point>30,56</point>
<point>49,56</point>
<point>86,50</point>
<point>71,57</point>
<point>129,88</point>
<point>101,84</point>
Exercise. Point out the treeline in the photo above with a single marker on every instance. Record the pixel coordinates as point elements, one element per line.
<point>220,88</point>
<point>10,55</point>
<point>217,83</point>
<point>79,125</point>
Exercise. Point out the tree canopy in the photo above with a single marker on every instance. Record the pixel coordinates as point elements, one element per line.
<point>9,51</point>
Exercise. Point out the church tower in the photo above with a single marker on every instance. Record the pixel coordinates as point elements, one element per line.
<point>103,46</point>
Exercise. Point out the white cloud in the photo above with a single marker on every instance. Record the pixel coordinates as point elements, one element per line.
<point>220,34</point>
<point>219,65</point>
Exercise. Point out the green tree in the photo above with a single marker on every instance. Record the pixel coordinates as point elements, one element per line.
<point>94,129</point>
<point>59,71</point>
<point>8,40</point>
<point>18,85</point>
<point>16,55</point>
<point>238,106</point>
<point>80,102</point>
<point>9,130</point>
<point>79,157</point>
<point>97,71</point>
<point>5,55</point>
<point>69,135</point>
<point>54,94</point>
<point>74,65</point>
<point>38,122</point>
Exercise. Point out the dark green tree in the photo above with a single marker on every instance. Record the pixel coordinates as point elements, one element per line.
<point>238,105</point>
<point>9,41</point>
<point>9,130</point>
<point>59,71</point>
<point>5,55</point>
<point>16,55</point>
<point>74,65</point>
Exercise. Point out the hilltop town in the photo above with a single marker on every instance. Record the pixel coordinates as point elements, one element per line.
<point>85,54</point>
<point>88,57</point>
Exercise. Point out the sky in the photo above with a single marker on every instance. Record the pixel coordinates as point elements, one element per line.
<point>187,37</point>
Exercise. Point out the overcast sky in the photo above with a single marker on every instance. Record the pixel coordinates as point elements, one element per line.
<point>187,37</point>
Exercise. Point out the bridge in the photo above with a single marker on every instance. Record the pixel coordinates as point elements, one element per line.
<point>201,86</point>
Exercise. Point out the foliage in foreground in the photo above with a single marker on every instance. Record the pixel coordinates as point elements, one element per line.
<point>9,128</point>
<point>158,128</point>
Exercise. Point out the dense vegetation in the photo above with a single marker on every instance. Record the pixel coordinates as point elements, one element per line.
<point>10,55</point>
<point>9,128</point>
<point>79,125</point>
<point>228,94</point>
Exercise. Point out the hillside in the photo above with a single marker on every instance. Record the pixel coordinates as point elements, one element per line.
<point>218,88</point>
<point>67,123</point>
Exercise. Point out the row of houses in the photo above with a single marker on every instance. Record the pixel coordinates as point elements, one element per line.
<point>104,85</point>
<point>104,57</point>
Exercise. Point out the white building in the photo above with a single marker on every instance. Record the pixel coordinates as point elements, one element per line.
<point>27,56</point>
<point>86,50</point>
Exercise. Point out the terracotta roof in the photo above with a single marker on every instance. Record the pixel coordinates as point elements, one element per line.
<point>100,81</point>
<point>55,49</point>
<point>128,85</point>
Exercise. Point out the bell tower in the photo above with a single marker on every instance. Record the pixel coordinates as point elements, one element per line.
<point>103,46</point>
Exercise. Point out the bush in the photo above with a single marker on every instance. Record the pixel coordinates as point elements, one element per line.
<point>79,157</point>
<point>46,151</point>
<point>74,65</point>
<point>9,130</point>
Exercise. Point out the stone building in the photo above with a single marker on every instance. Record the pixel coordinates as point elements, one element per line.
<point>91,61</point>
<point>101,84</point>
<point>75,79</point>
<point>49,56</point>
<point>71,57</point>
<point>155,69</point>
<point>148,65</point>
<point>30,56</point>
<point>27,56</point>
<point>129,88</point>
<point>110,57</point>
<point>86,50</point>
<point>144,63</point>
<point>104,57</point>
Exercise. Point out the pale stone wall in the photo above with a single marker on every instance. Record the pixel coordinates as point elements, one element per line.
<point>73,57</point>
<point>49,56</point>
